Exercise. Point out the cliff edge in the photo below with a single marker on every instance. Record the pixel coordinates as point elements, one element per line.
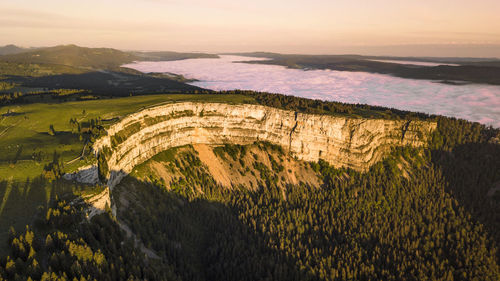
<point>342,141</point>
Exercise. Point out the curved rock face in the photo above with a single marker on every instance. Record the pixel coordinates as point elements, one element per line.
<point>342,141</point>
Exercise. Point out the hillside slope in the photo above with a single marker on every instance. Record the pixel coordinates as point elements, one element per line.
<point>72,55</point>
<point>92,58</point>
<point>168,56</point>
<point>12,49</point>
<point>255,212</point>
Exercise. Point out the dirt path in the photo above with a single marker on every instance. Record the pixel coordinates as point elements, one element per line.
<point>79,156</point>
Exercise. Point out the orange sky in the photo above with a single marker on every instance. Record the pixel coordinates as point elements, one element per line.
<point>392,27</point>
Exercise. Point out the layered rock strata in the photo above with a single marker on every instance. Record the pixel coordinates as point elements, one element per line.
<point>342,141</point>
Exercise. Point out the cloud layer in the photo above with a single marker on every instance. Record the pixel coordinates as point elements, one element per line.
<point>473,102</point>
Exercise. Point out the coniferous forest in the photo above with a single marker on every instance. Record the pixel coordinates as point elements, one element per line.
<point>249,140</point>
<point>420,214</point>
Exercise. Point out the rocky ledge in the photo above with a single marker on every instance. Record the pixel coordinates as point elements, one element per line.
<point>342,141</point>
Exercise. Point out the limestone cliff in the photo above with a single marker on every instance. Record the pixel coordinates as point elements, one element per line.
<point>96,203</point>
<point>342,141</point>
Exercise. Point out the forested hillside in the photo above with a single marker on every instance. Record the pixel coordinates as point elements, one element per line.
<point>89,58</point>
<point>419,214</point>
<point>27,74</point>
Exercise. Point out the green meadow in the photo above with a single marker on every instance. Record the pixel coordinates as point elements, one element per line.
<point>25,129</point>
<point>26,146</point>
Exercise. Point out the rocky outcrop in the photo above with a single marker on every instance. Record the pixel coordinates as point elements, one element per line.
<point>342,141</point>
<point>96,203</point>
<point>87,174</point>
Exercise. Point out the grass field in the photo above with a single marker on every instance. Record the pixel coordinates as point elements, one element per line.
<point>24,129</point>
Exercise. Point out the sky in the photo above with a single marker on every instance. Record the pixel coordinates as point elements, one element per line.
<point>377,27</point>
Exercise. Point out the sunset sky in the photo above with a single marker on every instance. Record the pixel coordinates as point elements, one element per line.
<point>390,27</point>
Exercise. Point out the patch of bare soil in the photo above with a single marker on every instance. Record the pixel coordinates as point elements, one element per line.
<point>216,169</point>
<point>161,171</point>
<point>242,171</point>
<point>296,172</point>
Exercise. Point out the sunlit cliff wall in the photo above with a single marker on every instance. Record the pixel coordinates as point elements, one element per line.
<point>342,141</point>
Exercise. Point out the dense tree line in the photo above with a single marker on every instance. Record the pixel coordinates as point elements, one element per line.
<point>65,246</point>
<point>54,169</point>
<point>88,130</point>
<point>468,154</point>
<point>378,225</point>
<point>329,107</point>
<point>418,214</point>
<point>19,97</point>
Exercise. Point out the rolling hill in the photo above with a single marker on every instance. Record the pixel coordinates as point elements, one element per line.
<point>167,56</point>
<point>95,70</point>
<point>13,49</point>
<point>89,58</point>
<point>75,56</point>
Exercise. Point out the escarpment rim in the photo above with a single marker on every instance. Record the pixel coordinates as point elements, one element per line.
<point>342,141</point>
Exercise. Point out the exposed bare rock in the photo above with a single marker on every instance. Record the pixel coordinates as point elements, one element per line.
<point>87,174</point>
<point>342,141</point>
<point>97,203</point>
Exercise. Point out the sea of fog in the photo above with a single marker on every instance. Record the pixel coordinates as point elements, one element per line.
<point>473,102</point>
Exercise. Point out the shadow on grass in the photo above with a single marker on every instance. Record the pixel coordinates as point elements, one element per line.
<point>12,113</point>
<point>20,201</point>
<point>63,137</point>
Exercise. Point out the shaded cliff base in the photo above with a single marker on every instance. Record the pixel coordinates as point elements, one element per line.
<point>470,171</point>
<point>22,200</point>
<point>401,214</point>
<point>186,213</point>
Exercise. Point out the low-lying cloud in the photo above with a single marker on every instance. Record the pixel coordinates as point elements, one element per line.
<point>473,102</point>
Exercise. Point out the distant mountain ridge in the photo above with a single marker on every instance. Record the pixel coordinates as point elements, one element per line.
<point>353,56</point>
<point>13,49</point>
<point>84,57</point>
<point>97,70</point>
<point>75,56</point>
